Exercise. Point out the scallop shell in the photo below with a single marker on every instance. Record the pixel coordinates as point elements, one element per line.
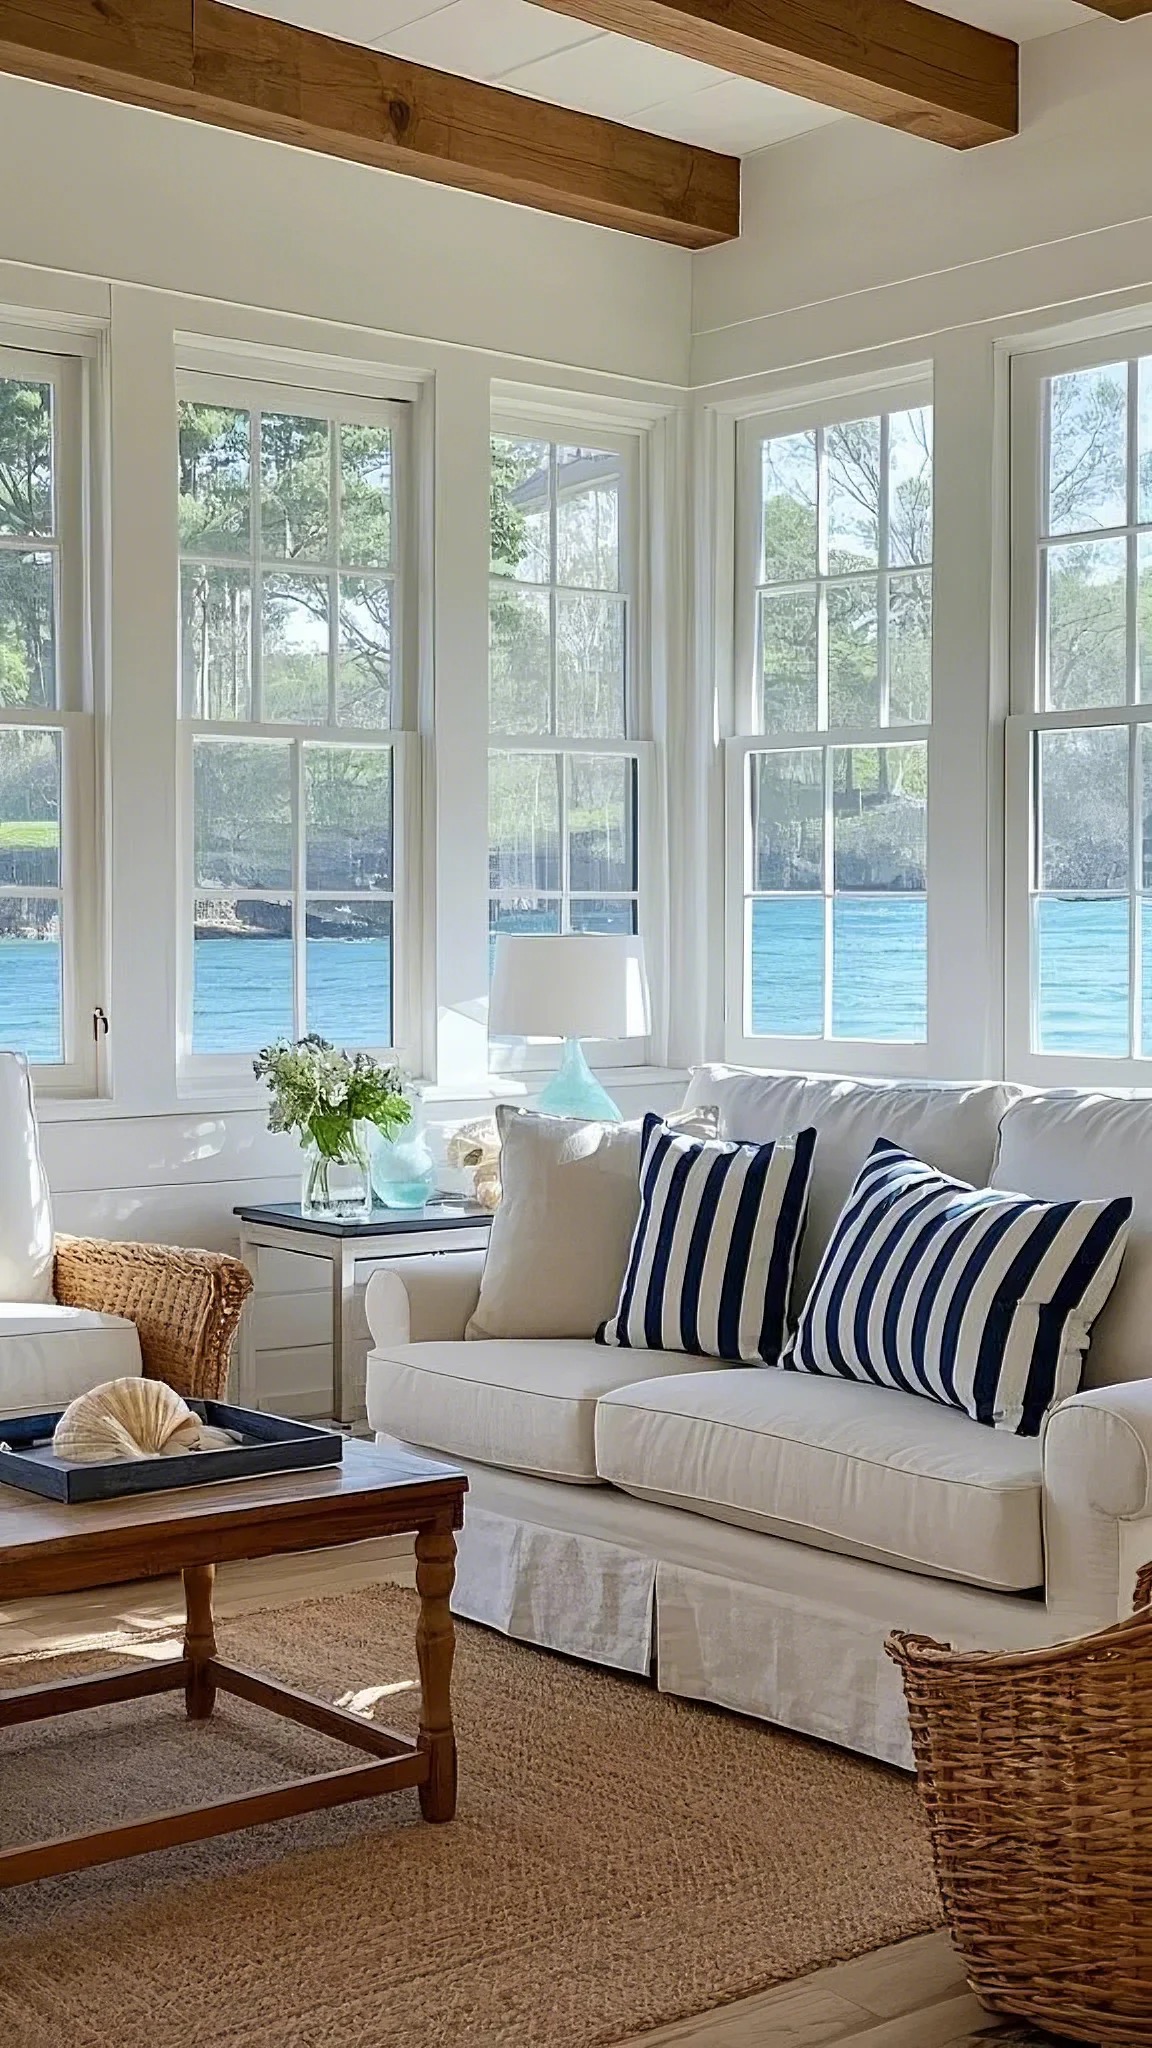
<point>134,1418</point>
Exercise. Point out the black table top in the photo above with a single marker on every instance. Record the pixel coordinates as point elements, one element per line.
<point>381,1223</point>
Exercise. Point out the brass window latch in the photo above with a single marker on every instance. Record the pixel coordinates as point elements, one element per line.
<point>99,1023</point>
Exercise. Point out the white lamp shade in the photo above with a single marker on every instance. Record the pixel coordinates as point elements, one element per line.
<point>579,985</point>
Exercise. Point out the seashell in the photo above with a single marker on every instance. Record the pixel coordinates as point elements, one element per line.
<point>133,1418</point>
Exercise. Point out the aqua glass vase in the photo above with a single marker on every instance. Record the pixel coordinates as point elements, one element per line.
<point>403,1169</point>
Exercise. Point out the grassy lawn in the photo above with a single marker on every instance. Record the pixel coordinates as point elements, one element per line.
<point>29,832</point>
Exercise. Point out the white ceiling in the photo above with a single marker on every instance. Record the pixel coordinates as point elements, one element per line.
<point>550,57</point>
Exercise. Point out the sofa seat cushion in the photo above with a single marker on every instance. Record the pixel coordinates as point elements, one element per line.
<point>49,1354</point>
<point>859,1469</point>
<point>525,1403</point>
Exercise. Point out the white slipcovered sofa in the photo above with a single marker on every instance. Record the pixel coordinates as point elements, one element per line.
<point>751,1535</point>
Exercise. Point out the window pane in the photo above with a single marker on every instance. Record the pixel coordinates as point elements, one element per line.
<point>27,627</point>
<point>880,967</point>
<point>515,912</point>
<point>243,814</point>
<point>31,1003</point>
<point>602,914</point>
<point>349,949</point>
<point>1082,790</point>
<point>294,661</point>
<point>910,650</point>
<point>520,660</point>
<point>521,511</point>
<point>1144,493</point>
<point>590,666</point>
<point>788,654</point>
<point>295,486</point>
<point>241,975</point>
<point>786,944</point>
<point>524,815</point>
<point>910,487</point>
<point>853,660</point>
<point>1144,619</point>
<point>1081,970</point>
<point>26,461</point>
<point>216,641</point>
<point>788,496</point>
<point>348,802</point>
<point>366,496</point>
<point>1088,452</point>
<point>588,518</point>
<point>880,817</point>
<point>788,820</point>
<point>29,809</point>
<point>601,823</point>
<point>215,479</point>
<point>364,657</point>
<point>853,459</point>
<point>1146,991</point>
<point>1087,625</point>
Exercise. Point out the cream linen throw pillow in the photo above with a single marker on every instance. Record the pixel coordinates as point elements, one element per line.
<point>561,1236</point>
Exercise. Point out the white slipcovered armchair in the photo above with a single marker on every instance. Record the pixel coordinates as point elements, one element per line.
<point>77,1311</point>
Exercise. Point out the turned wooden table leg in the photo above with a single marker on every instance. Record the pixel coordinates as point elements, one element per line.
<point>435,1645</point>
<point>199,1640</point>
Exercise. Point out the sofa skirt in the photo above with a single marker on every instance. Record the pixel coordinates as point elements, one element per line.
<point>755,1623</point>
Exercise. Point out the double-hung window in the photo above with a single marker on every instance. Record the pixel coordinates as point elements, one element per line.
<point>1079,828</point>
<point>294,684</point>
<point>567,762</point>
<point>827,797</point>
<point>49,956</point>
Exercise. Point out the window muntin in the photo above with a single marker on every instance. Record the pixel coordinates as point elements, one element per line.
<point>1083,699</point>
<point>564,851</point>
<point>48,861</point>
<point>834,649</point>
<point>291,684</point>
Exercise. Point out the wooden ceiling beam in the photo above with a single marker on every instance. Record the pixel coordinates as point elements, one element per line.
<point>887,60</point>
<point>1121,10</point>
<point>218,64</point>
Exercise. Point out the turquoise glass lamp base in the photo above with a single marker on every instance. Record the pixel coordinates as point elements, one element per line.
<point>575,1091</point>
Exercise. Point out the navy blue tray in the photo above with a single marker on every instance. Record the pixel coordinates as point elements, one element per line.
<point>269,1444</point>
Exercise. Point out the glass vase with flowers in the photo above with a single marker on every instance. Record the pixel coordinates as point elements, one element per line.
<point>328,1099</point>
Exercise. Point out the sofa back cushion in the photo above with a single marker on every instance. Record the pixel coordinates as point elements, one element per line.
<point>1073,1146</point>
<point>26,1237</point>
<point>953,1129</point>
<point>560,1238</point>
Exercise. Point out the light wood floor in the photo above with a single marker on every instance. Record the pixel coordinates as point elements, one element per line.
<point>909,1996</point>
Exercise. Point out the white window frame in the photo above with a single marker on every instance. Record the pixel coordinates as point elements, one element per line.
<point>895,1057</point>
<point>636,744</point>
<point>74,543</point>
<point>1030,371</point>
<point>208,1072</point>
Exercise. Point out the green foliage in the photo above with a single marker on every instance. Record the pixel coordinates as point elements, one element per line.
<point>322,1095</point>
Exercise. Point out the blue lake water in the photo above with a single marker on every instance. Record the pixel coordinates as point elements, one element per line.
<point>243,991</point>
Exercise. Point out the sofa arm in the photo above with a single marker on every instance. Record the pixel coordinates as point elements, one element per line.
<point>1097,1502</point>
<point>185,1304</point>
<point>423,1300</point>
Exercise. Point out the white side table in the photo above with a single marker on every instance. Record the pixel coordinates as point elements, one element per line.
<point>386,1234</point>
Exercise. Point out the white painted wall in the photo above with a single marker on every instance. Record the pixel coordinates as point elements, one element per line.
<point>856,237</point>
<point>141,229</point>
<point>863,251</point>
<point>865,254</point>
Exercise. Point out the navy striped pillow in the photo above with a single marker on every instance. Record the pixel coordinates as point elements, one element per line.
<point>714,1248</point>
<point>979,1300</point>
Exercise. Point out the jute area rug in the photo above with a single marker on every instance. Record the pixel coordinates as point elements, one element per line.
<point>620,1859</point>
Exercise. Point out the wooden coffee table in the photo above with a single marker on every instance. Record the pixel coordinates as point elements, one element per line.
<point>48,1547</point>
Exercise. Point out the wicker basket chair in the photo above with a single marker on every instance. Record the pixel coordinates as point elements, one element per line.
<point>1035,1770</point>
<point>185,1304</point>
